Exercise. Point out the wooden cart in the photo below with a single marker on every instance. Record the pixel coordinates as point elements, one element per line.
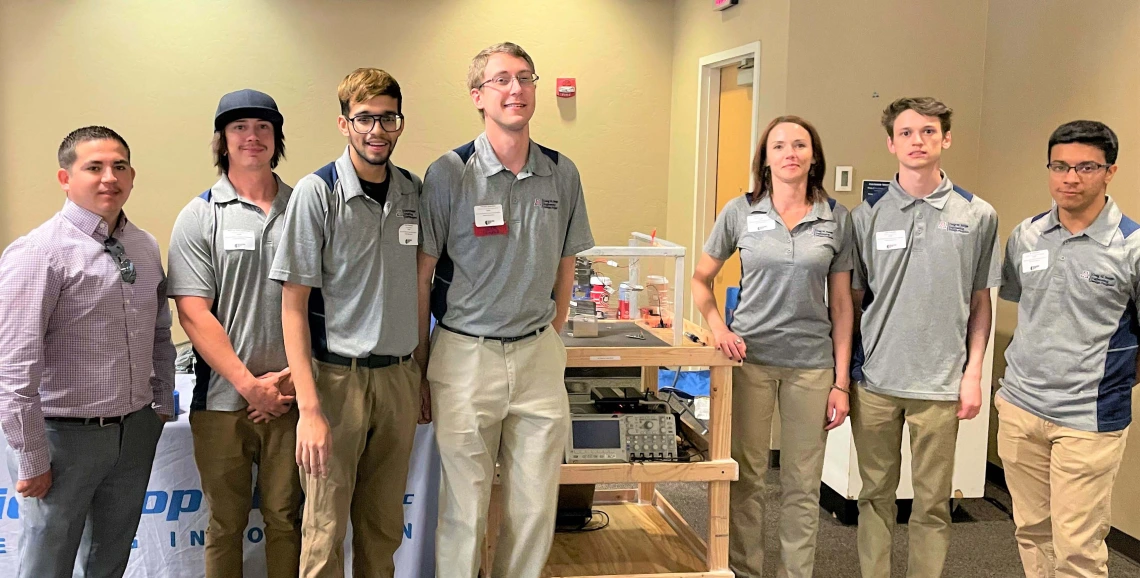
<point>646,536</point>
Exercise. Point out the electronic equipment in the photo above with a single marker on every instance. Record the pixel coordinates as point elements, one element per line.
<point>583,307</point>
<point>583,269</point>
<point>575,507</point>
<point>616,438</point>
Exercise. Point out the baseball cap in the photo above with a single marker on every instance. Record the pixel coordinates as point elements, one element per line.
<point>247,103</point>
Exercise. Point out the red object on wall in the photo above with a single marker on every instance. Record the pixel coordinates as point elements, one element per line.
<point>566,87</point>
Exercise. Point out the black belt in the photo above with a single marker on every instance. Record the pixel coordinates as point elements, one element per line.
<point>503,339</point>
<point>100,421</point>
<point>371,362</point>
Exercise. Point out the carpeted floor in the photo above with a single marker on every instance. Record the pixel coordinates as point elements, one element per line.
<point>982,545</point>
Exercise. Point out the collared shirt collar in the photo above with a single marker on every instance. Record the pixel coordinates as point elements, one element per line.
<point>488,164</point>
<point>936,198</point>
<point>1102,229</point>
<point>820,211</point>
<point>90,223</point>
<point>350,182</point>
<point>224,191</point>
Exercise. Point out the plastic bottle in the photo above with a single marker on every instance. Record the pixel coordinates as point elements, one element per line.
<point>623,301</point>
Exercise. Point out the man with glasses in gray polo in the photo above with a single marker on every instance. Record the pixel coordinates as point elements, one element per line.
<point>1065,404</point>
<point>86,366</point>
<point>502,220</point>
<point>347,261</point>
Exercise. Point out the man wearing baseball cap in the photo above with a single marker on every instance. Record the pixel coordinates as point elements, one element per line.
<point>242,410</point>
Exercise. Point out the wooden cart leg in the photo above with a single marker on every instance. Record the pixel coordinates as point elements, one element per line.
<point>720,432</point>
<point>646,492</point>
<point>649,378</point>
<point>494,520</point>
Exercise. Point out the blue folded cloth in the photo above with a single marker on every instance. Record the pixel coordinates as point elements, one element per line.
<point>691,383</point>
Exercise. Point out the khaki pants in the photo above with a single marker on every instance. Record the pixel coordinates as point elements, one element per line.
<point>1061,481</point>
<point>372,415</point>
<point>506,401</point>
<point>803,397</point>
<point>226,446</point>
<point>876,426</point>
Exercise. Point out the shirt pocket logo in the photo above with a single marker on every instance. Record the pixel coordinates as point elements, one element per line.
<point>960,228</point>
<point>1098,279</point>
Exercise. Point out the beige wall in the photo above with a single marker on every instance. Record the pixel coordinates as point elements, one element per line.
<point>698,32</point>
<point>154,72</point>
<point>841,53</point>
<point>1048,63</point>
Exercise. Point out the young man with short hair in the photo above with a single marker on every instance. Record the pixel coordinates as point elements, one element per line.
<point>86,366</point>
<point>928,256</point>
<point>1066,400</point>
<point>347,261</point>
<point>502,219</point>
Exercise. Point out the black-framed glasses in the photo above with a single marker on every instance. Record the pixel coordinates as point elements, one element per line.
<point>526,80</point>
<point>364,123</point>
<point>1085,169</point>
<point>126,268</point>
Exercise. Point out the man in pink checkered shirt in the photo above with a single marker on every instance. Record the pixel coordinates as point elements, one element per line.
<point>86,366</point>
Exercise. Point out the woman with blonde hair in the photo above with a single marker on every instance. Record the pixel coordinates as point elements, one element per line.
<point>792,328</point>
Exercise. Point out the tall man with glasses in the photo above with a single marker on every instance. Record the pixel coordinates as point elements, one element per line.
<point>502,220</point>
<point>1066,399</point>
<point>86,366</point>
<point>347,261</point>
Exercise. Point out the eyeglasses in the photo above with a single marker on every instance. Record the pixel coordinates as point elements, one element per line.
<point>1085,169</point>
<point>364,123</point>
<point>526,80</point>
<point>126,268</point>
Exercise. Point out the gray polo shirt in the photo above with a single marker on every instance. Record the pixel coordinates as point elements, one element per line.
<point>358,256</point>
<point>1072,360</point>
<point>221,249</point>
<point>500,285</point>
<point>783,316</point>
<point>920,260</point>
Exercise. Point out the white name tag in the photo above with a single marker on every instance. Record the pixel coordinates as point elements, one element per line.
<point>760,222</point>
<point>489,215</point>
<point>238,240</point>
<point>1035,261</point>
<point>410,234</point>
<point>890,240</point>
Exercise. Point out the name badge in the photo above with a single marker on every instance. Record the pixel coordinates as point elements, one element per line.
<point>1035,261</point>
<point>890,240</point>
<point>489,215</point>
<point>238,240</point>
<point>760,222</point>
<point>410,234</point>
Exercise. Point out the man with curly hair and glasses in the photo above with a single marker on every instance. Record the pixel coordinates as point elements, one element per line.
<point>347,261</point>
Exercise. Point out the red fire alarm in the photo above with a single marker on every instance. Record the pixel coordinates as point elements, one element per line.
<point>567,87</point>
